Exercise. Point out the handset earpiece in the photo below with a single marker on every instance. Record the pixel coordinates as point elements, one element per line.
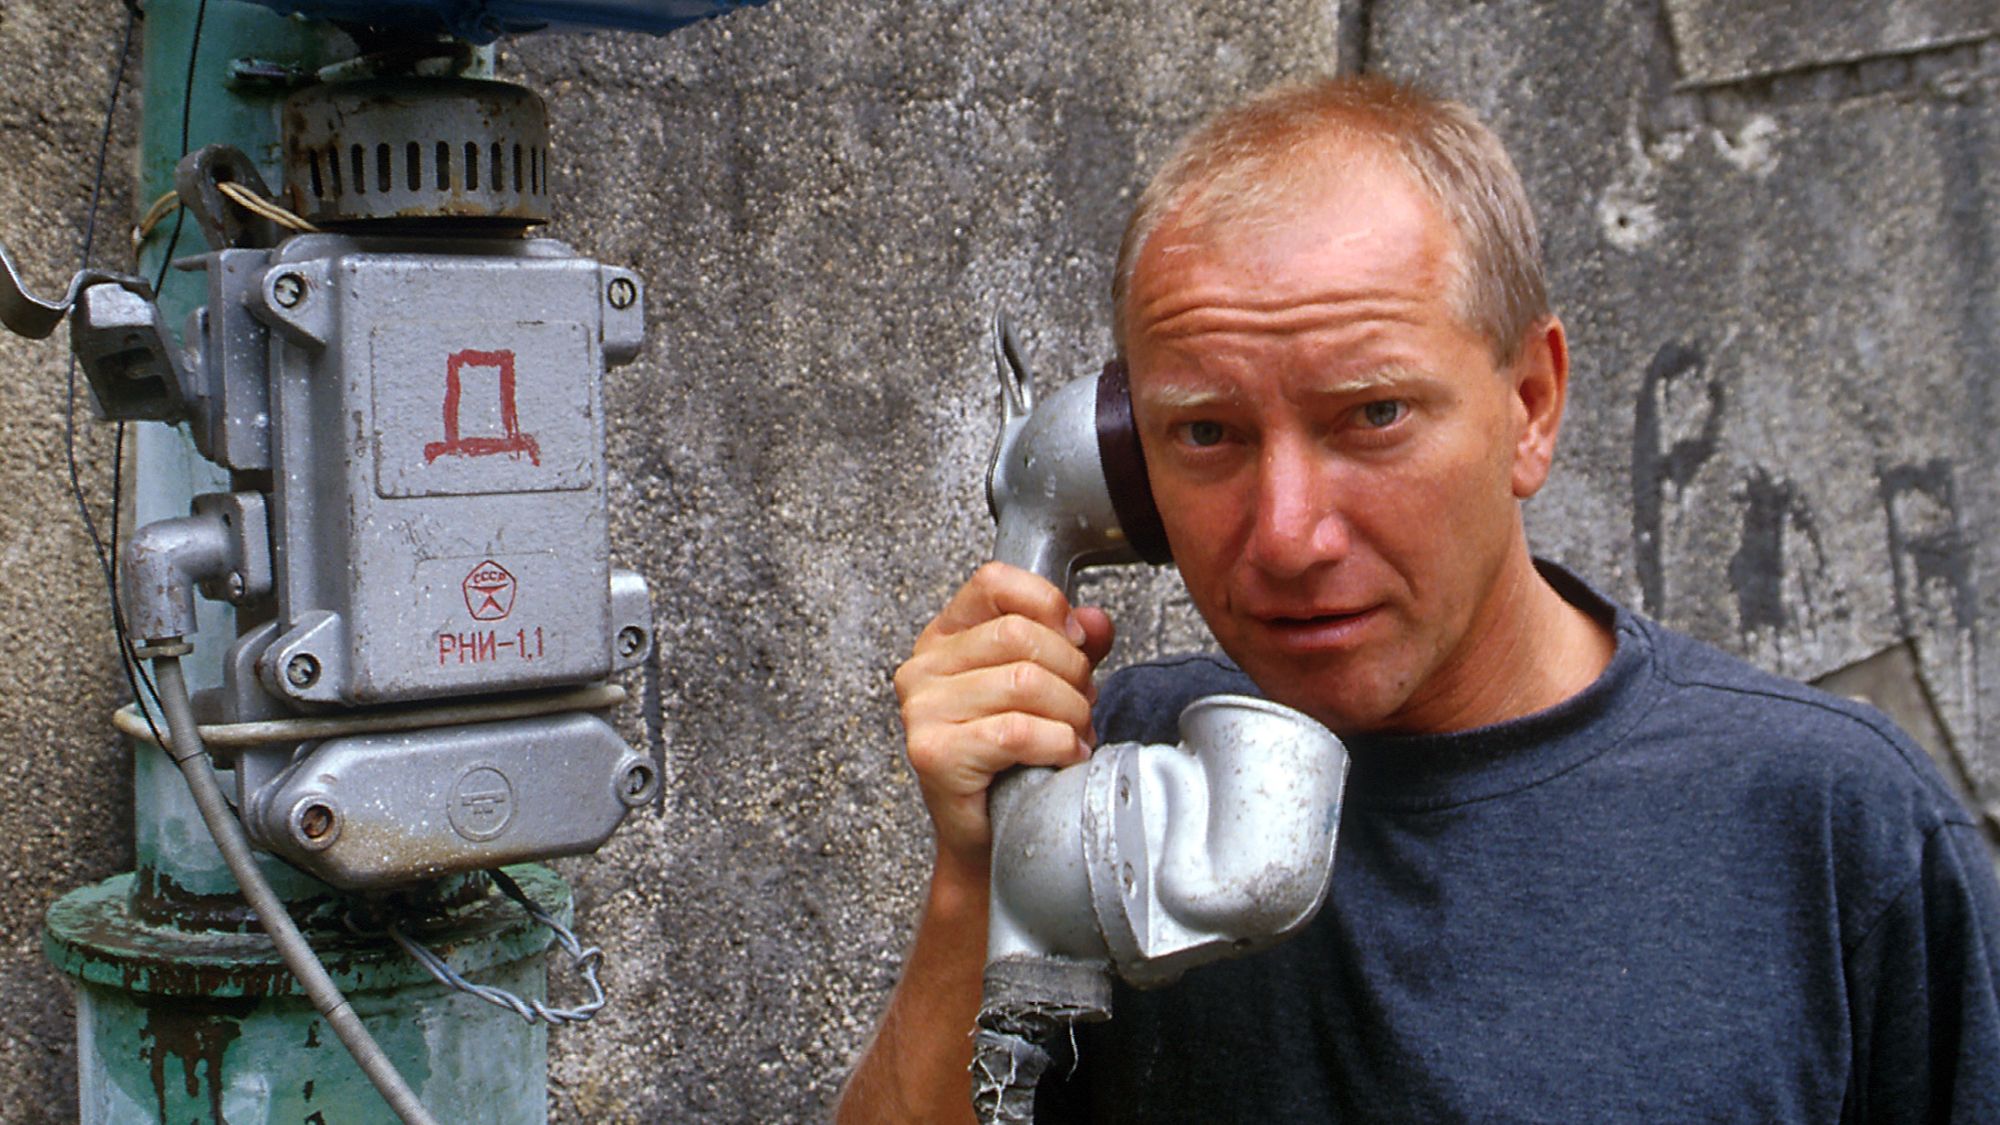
<point>1124,463</point>
<point>1067,481</point>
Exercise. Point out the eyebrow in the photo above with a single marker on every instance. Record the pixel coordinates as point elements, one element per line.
<point>1180,397</point>
<point>1174,396</point>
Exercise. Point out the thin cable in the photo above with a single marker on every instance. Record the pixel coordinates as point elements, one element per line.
<point>587,961</point>
<point>263,208</point>
<point>187,120</point>
<point>192,758</point>
<point>89,237</point>
<point>105,561</point>
<point>135,671</point>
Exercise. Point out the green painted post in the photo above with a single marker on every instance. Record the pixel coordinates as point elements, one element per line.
<point>174,855</point>
<point>184,1013</point>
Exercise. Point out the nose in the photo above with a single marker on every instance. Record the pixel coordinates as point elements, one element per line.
<point>1297,525</point>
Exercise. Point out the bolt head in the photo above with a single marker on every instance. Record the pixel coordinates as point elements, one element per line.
<point>316,821</point>
<point>301,670</point>
<point>623,292</point>
<point>236,587</point>
<point>636,785</point>
<point>289,290</point>
<point>631,640</point>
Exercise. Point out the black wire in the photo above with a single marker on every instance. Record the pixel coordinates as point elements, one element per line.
<point>106,561</point>
<point>187,117</point>
<point>89,236</point>
<point>135,671</point>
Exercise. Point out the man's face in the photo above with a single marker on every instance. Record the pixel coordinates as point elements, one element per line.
<point>1337,460</point>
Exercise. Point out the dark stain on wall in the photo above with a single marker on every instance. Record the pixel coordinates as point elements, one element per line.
<point>1772,511</point>
<point>1655,465</point>
<point>1928,549</point>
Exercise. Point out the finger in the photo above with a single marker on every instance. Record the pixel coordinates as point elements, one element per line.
<point>1099,633</point>
<point>959,760</point>
<point>1022,687</point>
<point>1003,640</point>
<point>996,590</point>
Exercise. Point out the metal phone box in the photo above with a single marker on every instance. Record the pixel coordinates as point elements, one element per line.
<point>440,522</point>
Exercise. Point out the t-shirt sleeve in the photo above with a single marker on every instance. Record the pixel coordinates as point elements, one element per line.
<point>1924,993</point>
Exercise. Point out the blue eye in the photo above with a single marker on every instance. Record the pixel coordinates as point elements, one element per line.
<point>1204,433</point>
<point>1385,413</point>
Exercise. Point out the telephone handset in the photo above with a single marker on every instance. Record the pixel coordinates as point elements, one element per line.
<point>1143,860</point>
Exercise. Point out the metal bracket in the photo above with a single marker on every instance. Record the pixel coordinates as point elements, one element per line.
<point>116,334</point>
<point>224,224</point>
<point>22,312</point>
<point>134,371</point>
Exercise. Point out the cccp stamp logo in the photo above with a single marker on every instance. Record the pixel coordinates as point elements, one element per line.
<point>489,592</point>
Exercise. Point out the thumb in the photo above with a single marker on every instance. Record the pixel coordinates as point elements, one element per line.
<point>1098,632</point>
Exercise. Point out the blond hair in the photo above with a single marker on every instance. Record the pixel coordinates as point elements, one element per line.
<point>1246,163</point>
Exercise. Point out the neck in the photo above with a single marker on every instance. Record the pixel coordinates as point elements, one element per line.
<point>1527,651</point>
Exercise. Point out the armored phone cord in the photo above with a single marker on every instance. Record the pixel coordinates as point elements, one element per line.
<point>192,757</point>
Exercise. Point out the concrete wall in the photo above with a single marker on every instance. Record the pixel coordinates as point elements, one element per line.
<point>1772,230</point>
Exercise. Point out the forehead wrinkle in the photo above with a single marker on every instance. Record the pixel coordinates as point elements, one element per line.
<point>1280,317</point>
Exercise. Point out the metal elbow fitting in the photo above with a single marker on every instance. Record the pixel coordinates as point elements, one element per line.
<point>1067,483</point>
<point>224,548</point>
<point>1161,858</point>
<point>163,561</point>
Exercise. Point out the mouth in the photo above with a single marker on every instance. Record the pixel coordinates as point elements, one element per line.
<point>1309,632</point>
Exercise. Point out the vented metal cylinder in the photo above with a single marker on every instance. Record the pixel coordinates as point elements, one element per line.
<point>417,150</point>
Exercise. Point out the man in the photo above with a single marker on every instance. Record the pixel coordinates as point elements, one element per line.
<point>1588,869</point>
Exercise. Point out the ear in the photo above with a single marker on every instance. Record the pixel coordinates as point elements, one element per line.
<point>1540,377</point>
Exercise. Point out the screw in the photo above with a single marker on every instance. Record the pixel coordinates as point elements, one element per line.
<point>301,670</point>
<point>236,587</point>
<point>623,292</point>
<point>1125,876</point>
<point>630,640</point>
<point>316,821</point>
<point>289,290</point>
<point>1124,790</point>
<point>637,780</point>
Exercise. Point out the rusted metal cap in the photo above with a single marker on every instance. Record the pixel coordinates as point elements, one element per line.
<point>406,150</point>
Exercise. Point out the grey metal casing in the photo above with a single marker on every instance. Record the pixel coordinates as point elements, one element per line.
<point>380,810</point>
<point>438,514</point>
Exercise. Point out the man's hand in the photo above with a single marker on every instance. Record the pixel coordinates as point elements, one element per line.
<point>1000,678</point>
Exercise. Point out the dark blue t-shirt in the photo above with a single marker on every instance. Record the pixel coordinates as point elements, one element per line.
<point>1693,892</point>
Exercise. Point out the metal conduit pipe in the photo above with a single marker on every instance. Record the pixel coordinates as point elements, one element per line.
<point>192,758</point>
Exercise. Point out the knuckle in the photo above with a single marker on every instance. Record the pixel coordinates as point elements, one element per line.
<point>906,680</point>
<point>923,748</point>
<point>1014,731</point>
<point>1023,679</point>
<point>1014,633</point>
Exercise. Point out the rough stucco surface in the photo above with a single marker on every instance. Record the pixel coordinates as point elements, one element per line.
<point>1782,293</point>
